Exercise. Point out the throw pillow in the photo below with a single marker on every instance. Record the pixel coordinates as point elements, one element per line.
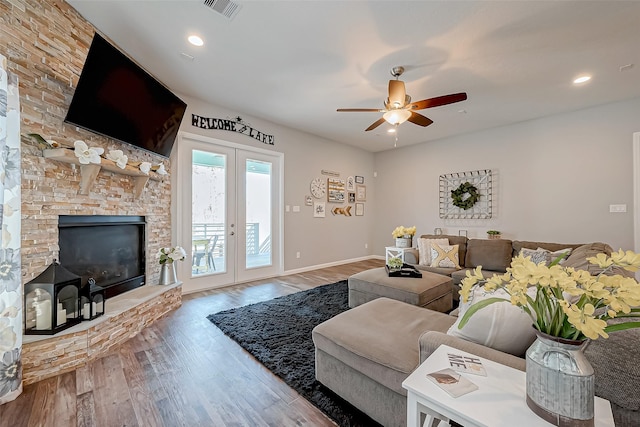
<point>501,326</point>
<point>543,255</point>
<point>537,256</point>
<point>424,249</point>
<point>445,256</point>
<point>551,256</point>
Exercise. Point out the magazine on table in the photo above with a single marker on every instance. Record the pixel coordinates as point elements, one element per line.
<point>469,364</point>
<point>452,382</point>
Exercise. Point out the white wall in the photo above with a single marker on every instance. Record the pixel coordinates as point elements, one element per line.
<point>319,240</point>
<point>554,179</point>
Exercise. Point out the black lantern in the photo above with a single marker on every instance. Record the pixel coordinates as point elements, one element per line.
<point>92,301</point>
<point>52,301</point>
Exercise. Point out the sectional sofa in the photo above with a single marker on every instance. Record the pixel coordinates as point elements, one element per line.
<point>365,353</point>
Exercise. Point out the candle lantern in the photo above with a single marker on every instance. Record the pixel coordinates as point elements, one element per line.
<point>51,301</point>
<point>92,300</point>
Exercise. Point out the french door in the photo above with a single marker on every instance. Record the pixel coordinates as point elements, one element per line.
<point>229,213</point>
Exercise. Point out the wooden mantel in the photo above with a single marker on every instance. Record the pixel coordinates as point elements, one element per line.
<point>90,172</point>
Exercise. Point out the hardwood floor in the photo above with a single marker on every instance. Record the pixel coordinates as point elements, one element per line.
<point>181,371</point>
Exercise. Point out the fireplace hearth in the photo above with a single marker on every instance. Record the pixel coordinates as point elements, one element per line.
<point>107,249</point>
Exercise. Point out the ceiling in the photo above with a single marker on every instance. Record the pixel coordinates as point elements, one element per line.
<point>295,62</point>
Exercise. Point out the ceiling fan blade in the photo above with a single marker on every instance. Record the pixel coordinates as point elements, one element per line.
<point>437,101</point>
<point>419,119</point>
<point>360,110</point>
<point>397,94</point>
<point>375,124</point>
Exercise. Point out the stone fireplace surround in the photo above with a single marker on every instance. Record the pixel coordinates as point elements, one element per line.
<point>46,43</point>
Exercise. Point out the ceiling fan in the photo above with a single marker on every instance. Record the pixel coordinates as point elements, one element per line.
<point>398,107</point>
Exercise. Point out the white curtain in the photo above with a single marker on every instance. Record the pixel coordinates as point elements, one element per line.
<point>10,267</point>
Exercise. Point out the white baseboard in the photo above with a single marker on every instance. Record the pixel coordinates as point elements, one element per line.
<point>329,264</point>
<point>288,272</point>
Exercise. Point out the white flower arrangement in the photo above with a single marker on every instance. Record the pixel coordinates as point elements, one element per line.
<point>118,157</point>
<point>87,155</point>
<point>169,255</point>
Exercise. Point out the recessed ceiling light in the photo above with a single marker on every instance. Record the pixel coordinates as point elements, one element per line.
<point>195,40</point>
<point>582,79</point>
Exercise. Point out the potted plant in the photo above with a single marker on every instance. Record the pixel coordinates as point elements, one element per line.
<point>493,234</point>
<point>404,236</point>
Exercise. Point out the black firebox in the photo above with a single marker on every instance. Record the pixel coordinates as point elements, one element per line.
<point>108,249</point>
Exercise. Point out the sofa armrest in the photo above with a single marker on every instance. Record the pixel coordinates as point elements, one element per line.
<point>431,340</point>
<point>411,256</point>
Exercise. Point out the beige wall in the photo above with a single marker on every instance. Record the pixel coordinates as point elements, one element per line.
<point>319,240</point>
<point>554,179</point>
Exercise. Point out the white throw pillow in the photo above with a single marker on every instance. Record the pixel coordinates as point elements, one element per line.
<point>424,249</point>
<point>501,325</point>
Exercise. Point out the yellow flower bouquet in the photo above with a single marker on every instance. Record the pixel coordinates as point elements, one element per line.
<point>402,231</point>
<point>568,303</point>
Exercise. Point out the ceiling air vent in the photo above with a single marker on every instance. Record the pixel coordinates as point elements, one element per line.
<point>224,7</point>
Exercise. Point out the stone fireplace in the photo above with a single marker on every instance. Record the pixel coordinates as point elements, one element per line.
<point>46,44</point>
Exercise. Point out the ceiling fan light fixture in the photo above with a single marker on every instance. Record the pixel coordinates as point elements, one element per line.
<point>396,117</point>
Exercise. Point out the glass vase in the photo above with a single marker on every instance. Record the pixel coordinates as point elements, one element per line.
<point>560,381</point>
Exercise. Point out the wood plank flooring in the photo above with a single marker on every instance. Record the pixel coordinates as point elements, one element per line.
<point>181,371</point>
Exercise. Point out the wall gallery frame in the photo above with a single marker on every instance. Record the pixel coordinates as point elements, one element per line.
<point>359,209</point>
<point>335,190</point>
<point>359,179</point>
<point>361,193</point>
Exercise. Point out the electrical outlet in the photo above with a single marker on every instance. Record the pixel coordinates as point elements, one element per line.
<point>617,208</point>
<point>366,246</point>
<point>297,254</point>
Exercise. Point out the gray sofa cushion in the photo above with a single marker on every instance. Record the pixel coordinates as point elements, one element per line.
<point>616,368</point>
<point>494,255</point>
<point>380,339</point>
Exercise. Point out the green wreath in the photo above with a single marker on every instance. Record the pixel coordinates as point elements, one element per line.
<point>458,196</point>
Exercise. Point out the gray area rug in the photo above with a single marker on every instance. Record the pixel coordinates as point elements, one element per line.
<point>278,334</point>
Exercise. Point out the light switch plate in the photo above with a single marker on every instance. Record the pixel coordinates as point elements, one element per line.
<point>617,208</point>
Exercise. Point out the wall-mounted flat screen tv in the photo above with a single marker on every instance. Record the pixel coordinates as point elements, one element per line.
<point>117,98</point>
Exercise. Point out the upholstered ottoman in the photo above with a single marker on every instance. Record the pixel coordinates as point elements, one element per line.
<point>365,353</point>
<point>433,291</point>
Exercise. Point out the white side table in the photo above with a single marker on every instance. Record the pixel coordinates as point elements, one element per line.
<point>498,402</point>
<point>392,251</point>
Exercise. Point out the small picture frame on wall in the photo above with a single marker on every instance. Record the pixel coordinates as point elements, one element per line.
<point>319,210</point>
<point>359,179</point>
<point>352,197</point>
<point>351,184</point>
<point>361,193</point>
<point>359,209</point>
<point>308,201</point>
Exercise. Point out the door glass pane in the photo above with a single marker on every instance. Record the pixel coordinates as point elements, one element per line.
<point>258,213</point>
<point>208,197</point>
